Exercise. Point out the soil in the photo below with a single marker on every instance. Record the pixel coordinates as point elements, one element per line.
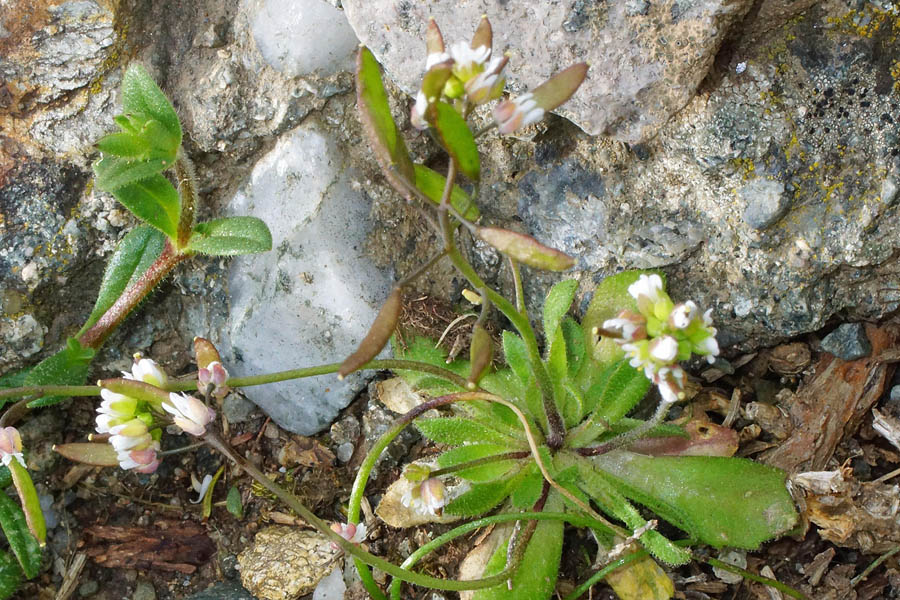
<point>793,405</point>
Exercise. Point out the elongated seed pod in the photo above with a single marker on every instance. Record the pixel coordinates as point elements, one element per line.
<point>378,335</point>
<point>481,353</point>
<point>525,249</point>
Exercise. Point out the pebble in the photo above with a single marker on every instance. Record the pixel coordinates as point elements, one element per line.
<point>223,591</point>
<point>848,342</point>
<point>237,409</point>
<point>144,591</point>
<point>88,588</point>
<point>765,202</point>
<point>345,452</point>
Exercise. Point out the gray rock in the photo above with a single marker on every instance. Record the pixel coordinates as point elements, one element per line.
<point>237,409</point>
<point>848,342</point>
<point>312,299</point>
<point>88,588</point>
<point>345,452</point>
<point>289,35</point>
<point>647,59</point>
<point>223,591</point>
<point>144,590</point>
<point>765,202</point>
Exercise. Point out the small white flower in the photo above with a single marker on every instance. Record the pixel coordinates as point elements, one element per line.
<point>200,487</point>
<point>512,115</point>
<point>11,446</point>
<point>664,349</point>
<point>189,413</point>
<point>351,532</point>
<point>417,114</point>
<point>115,409</point>
<point>708,347</point>
<point>629,325</point>
<point>429,497</point>
<point>143,460</point>
<point>683,314</point>
<point>670,381</point>
<point>467,57</point>
<point>648,292</point>
<point>146,370</point>
<point>211,380</point>
<point>435,58</point>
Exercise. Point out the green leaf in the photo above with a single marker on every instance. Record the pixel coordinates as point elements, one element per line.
<point>535,579</point>
<point>720,501</point>
<point>10,575</point>
<point>69,366</point>
<point>575,349</point>
<point>529,489</point>
<point>516,354</point>
<point>231,236</point>
<point>432,185</point>
<point>556,305</point>
<point>482,497</point>
<point>207,498</point>
<point>12,380</point>
<point>233,502</point>
<point>28,496</point>
<point>610,298</point>
<point>134,254</point>
<point>153,200</point>
<point>619,390</point>
<point>21,542</point>
<point>113,173</point>
<point>475,452</point>
<point>616,505</point>
<point>423,349</point>
<point>124,144</point>
<point>5,477</point>
<point>140,94</point>
<point>454,431</point>
<point>383,134</point>
<point>457,138</point>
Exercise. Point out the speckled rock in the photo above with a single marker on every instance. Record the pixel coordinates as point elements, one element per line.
<point>284,562</point>
<point>647,58</point>
<point>848,342</point>
<point>312,299</point>
<point>765,202</point>
<point>223,591</point>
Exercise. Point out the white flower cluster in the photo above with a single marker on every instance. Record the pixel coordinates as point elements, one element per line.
<point>662,333</point>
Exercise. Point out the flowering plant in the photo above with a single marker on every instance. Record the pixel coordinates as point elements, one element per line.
<point>547,437</point>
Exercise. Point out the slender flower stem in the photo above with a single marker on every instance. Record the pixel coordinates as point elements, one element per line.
<point>350,548</point>
<point>132,296</point>
<point>517,282</point>
<point>484,460</point>
<point>623,440</point>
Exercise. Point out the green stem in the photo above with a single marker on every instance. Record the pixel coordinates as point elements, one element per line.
<point>484,460</point>
<point>599,575</point>
<point>451,535</point>
<point>132,296</point>
<point>352,549</point>
<point>873,566</point>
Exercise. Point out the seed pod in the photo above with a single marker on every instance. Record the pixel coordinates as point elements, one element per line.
<point>97,454</point>
<point>378,335</point>
<point>483,34</point>
<point>525,249</point>
<point>205,352</point>
<point>135,389</point>
<point>434,41</point>
<point>559,88</point>
<point>481,353</point>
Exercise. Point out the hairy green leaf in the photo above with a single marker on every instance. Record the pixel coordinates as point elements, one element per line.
<point>720,501</point>
<point>556,305</point>
<point>231,236</point>
<point>153,200</point>
<point>432,185</point>
<point>454,431</point>
<point>21,542</point>
<point>616,505</point>
<point>536,576</point>
<point>133,256</point>
<point>423,349</point>
<point>516,354</point>
<point>610,297</point>
<point>457,138</point>
<point>383,134</point>
<point>140,94</point>
<point>575,349</point>
<point>526,494</point>
<point>620,388</point>
<point>10,575</point>
<point>486,471</point>
<point>28,496</point>
<point>11,380</point>
<point>69,366</point>
<point>113,173</point>
<point>482,497</point>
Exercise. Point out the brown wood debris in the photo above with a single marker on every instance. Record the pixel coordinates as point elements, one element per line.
<point>833,402</point>
<point>167,545</point>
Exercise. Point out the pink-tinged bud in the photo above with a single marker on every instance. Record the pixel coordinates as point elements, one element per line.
<point>189,413</point>
<point>211,380</point>
<point>11,446</point>
<point>434,40</point>
<point>429,497</point>
<point>512,115</point>
<point>144,460</point>
<point>205,352</point>
<point>628,326</point>
<point>671,382</point>
<point>354,534</point>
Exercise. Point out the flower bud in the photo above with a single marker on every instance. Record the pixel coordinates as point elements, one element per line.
<point>11,446</point>
<point>189,413</point>
<point>481,353</point>
<point>205,352</point>
<point>351,532</point>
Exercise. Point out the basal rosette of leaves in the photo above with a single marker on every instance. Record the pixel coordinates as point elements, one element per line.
<point>715,500</point>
